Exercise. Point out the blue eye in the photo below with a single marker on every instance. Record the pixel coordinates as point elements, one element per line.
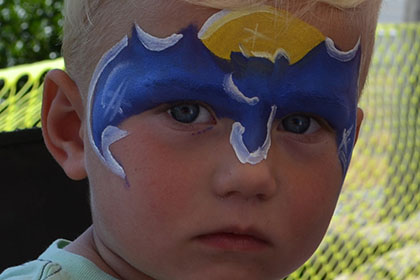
<point>189,113</point>
<point>300,124</point>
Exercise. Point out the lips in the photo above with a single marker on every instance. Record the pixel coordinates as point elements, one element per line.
<point>235,239</point>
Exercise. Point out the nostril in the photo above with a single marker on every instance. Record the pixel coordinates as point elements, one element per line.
<point>230,194</point>
<point>261,197</point>
<point>245,182</point>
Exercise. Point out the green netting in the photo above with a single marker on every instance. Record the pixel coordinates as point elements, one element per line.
<point>21,94</point>
<point>375,232</point>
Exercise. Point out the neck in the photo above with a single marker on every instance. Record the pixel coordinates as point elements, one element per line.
<point>90,246</point>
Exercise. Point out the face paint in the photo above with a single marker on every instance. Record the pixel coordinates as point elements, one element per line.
<point>246,75</point>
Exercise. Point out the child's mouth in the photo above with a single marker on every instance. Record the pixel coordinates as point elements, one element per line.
<point>235,240</point>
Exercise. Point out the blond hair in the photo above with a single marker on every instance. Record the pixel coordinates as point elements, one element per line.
<point>222,4</point>
<point>88,25</point>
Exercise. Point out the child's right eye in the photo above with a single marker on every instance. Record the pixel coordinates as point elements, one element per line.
<point>190,113</point>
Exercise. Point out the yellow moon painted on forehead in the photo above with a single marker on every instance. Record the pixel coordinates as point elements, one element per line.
<point>263,32</point>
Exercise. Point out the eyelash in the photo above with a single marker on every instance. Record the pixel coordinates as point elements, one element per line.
<point>202,109</point>
<point>299,124</point>
<point>321,123</point>
<point>308,138</point>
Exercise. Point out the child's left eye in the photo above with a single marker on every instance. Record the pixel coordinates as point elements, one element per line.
<point>299,124</point>
<point>190,113</point>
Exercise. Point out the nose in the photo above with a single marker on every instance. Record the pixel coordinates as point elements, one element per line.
<point>245,181</point>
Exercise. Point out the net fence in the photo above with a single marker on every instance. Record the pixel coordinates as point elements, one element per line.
<point>21,94</point>
<point>375,232</point>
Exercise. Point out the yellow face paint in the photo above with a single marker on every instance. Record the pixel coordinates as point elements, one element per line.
<point>265,32</point>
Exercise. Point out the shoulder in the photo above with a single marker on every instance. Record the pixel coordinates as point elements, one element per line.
<point>56,264</point>
<point>35,270</point>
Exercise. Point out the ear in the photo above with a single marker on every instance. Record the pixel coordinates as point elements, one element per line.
<point>62,118</point>
<point>359,119</point>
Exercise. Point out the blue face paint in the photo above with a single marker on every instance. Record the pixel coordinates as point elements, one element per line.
<point>143,72</point>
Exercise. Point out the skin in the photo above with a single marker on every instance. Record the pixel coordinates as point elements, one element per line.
<point>185,184</point>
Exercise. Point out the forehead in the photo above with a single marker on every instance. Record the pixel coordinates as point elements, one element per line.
<point>170,17</point>
<point>162,18</point>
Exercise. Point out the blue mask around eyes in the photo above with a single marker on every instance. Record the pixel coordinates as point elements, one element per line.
<point>143,72</point>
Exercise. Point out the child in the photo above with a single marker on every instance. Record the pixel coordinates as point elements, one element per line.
<point>215,134</point>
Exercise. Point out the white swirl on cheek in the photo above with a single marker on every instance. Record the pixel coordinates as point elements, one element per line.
<point>241,151</point>
<point>111,103</point>
<point>106,59</point>
<point>345,146</point>
<point>110,135</point>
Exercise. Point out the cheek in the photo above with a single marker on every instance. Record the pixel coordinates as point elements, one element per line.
<point>161,193</point>
<point>310,188</point>
<point>315,200</point>
<point>165,173</point>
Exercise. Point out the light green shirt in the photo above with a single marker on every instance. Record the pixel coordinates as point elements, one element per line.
<point>56,264</point>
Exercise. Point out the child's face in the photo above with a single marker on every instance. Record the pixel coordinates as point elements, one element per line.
<point>183,204</point>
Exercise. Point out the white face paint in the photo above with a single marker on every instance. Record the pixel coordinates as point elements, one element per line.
<point>233,91</point>
<point>242,152</point>
<point>157,44</point>
<point>112,104</point>
<point>110,135</point>
<point>340,55</point>
<point>345,145</point>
